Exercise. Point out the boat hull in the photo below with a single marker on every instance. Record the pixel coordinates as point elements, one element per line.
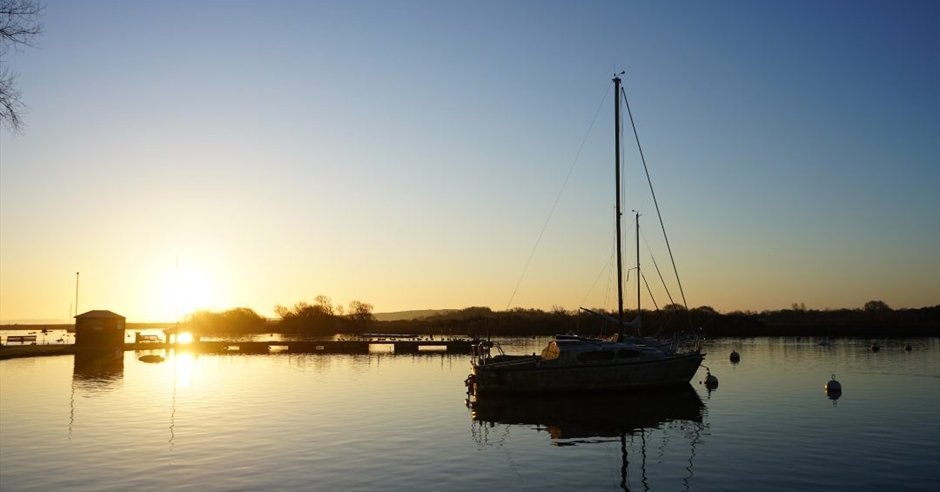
<point>537,378</point>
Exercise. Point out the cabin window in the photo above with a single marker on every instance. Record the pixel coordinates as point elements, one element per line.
<point>627,353</point>
<point>597,355</point>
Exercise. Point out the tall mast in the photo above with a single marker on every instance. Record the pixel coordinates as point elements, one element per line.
<point>617,184</point>
<point>76,293</point>
<point>637,272</point>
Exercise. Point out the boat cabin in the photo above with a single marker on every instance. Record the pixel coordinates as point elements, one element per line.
<point>580,351</point>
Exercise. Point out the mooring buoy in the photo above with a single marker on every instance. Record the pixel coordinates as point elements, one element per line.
<point>833,386</point>
<point>735,357</point>
<point>710,380</point>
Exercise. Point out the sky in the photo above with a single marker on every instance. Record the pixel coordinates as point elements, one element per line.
<point>440,154</point>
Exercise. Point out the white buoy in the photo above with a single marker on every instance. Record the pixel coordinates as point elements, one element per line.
<point>735,357</point>
<point>833,386</point>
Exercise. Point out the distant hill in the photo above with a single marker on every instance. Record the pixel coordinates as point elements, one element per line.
<point>34,321</point>
<point>410,315</point>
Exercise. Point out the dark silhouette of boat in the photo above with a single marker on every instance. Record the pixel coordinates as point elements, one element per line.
<point>577,364</point>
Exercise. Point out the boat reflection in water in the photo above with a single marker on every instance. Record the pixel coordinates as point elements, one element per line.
<point>672,414</point>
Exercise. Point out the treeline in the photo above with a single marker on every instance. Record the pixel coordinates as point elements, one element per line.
<point>876,319</point>
<point>322,318</point>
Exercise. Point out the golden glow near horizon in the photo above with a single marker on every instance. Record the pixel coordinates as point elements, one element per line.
<point>441,190</point>
<point>186,291</point>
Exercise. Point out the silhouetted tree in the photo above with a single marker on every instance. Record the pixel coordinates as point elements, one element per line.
<point>877,306</point>
<point>304,319</point>
<point>325,305</point>
<point>360,313</point>
<point>19,26</point>
<point>559,310</point>
<point>238,320</point>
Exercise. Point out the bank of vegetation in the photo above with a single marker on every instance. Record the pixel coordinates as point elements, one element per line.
<point>322,318</point>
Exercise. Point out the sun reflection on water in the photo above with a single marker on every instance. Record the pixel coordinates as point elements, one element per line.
<point>183,365</point>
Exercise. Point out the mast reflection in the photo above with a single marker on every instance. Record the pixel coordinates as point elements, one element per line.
<point>95,372</point>
<point>675,413</point>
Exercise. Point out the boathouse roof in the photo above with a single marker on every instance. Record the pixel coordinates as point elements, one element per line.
<point>99,313</point>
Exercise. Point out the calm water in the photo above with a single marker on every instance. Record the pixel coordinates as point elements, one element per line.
<point>387,422</point>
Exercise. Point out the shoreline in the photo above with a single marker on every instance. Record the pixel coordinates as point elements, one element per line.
<point>22,351</point>
<point>28,351</point>
<point>70,327</point>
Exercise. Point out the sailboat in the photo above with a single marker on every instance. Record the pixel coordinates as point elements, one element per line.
<point>572,363</point>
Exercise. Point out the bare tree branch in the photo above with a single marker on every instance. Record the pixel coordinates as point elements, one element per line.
<point>19,26</point>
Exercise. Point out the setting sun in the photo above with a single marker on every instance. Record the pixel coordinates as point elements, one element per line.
<point>185,292</point>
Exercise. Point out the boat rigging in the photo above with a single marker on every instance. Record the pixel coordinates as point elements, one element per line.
<point>574,363</point>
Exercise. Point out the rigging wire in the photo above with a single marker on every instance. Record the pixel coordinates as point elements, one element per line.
<point>668,292</point>
<point>658,272</point>
<point>609,294</point>
<point>649,291</point>
<point>557,198</point>
<point>655,201</point>
<point>605,268</point>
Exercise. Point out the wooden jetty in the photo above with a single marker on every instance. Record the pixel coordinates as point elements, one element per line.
<point>399,346</point>
<point>21,339</point>
<point>329,347</point>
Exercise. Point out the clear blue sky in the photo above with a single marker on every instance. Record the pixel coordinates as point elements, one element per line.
<point>210,154</point>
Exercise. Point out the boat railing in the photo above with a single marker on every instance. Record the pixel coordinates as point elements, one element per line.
<point>481,354</point>
<point>688,341</point>
<point>505,361</point>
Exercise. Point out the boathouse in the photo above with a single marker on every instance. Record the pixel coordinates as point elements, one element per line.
<point>99,329</point>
